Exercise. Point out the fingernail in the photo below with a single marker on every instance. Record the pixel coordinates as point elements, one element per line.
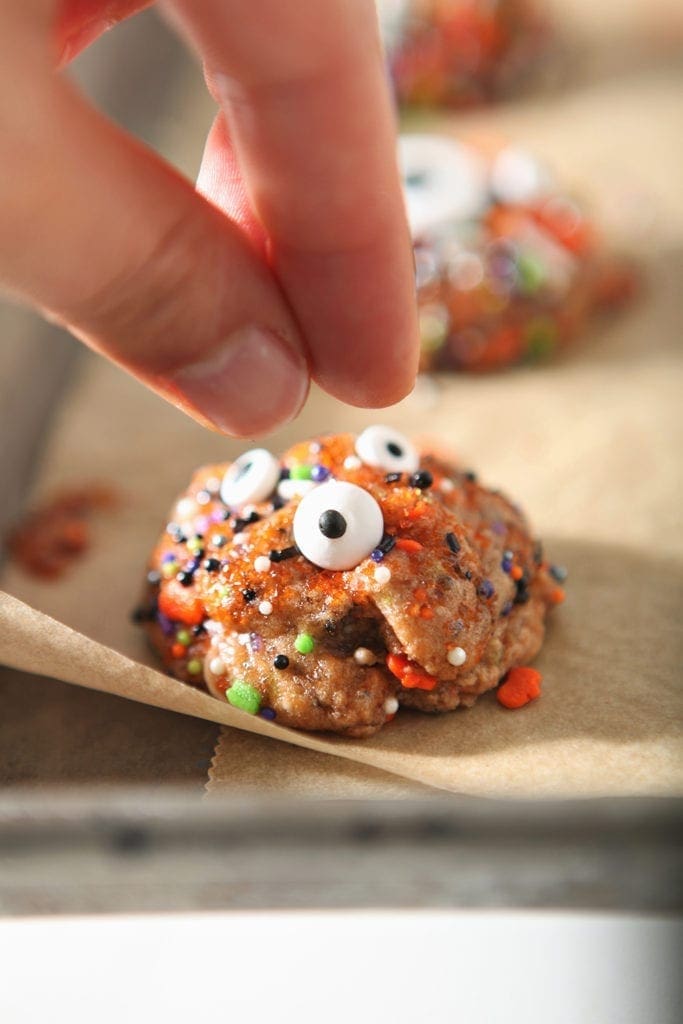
<point>250,384</point>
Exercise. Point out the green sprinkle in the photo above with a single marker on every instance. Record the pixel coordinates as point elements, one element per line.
<point>304,643</point>
<point>531,273</point>
<point>194,666</point>
<point>184,637</point>
<point>302,471</point>
<point>433,329</point>
<point>541,338</point>
<point>194,544</point>
<point>169,569</point>
<point>243,696</point>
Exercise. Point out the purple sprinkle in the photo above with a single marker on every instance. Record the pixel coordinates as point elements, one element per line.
<point>193,565</point>
<point>217,517</point>
<point>319,473</point>
<point>457,626</point>
<point>167,626</point>
<point>284,473</point>
<point>267,713</point>
<point>255,642</point>
<point>201,524</point>
<point>168,558</point>
<point>507,608</point>
<point>506,564</point>
<point>377,555</point>
<point>486,588</point>
<point>499,527</point>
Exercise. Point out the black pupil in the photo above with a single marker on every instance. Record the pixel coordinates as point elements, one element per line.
<point>417,179</point>
<point>242,471</point>
<point>332,524</point>
<point>394,449</point>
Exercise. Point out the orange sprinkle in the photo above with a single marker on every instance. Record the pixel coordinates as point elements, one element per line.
<point>420,594</point>
<point>418,681</point>
<point>397,664</point>
<point>180,604</point>
<point>414,610</point>
<point>408,545</point>
<point>178,651</point>
<point>426,612</point>
<point>557,595</point>
<point>516,572</point>
<point>520,686</point>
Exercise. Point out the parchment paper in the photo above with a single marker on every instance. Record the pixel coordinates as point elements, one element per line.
<point>589,445</point>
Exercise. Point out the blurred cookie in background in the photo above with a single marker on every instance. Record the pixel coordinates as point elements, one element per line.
<point>508,267</point>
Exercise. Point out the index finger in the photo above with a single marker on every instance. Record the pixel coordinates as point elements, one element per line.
<point>303,91</point>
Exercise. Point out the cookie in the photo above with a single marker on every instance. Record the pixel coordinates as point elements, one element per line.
<point>508,268</point>
<point>352,577</point>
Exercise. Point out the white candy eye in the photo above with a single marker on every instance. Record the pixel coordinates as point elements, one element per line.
<point>518,177</point>
<point>337,525</point>
<point>443,181</point>
<point>387,449</point>
<point>253,477</point>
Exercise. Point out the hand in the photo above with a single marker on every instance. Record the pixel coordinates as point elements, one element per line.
<point>290,260</point>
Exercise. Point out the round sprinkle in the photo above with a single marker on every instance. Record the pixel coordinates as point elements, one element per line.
<point>364,656</point>
<point>486,589</point>
<point>194,666</point>
<point>352,462</point>
<point>216,667</point>
<point>453,543</point>
<point>262,563</point>
<point>319,473</point>
<point>185,508</point>
<point>219,540</point>
<point>212,564</point>
<point>268,714</point>
<point>281,662</point>
<point>265,608</point>
<point>446,485</point>
<point>153,578</point>
<point>248,594</point>
<point>184,637</point>
<point>202,497</point>
<point>194,544</point>
<point>382,575</point>
<point>240,538</point>
<point>304,643</point>
<point>456,656</point>
<point>169,569</point>
<point>185,578</point>
<point>558,572</point>
<point>390,706</point>
<point>423,479</point>
<point>243,696</point>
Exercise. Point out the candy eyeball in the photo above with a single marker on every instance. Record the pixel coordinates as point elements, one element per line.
<point>337,525</point>
<point>387,449</point>
<point>252,477</point>
<point>517,177</point>
<point>443,181</point>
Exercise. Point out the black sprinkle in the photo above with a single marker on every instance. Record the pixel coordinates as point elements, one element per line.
<point>199,629</point>
<point>277,503</point>
<point>468,574</point>
<point>219,541</point>
<point>393,478</point>
<point>538,552</point>
<point>283,554</point>
<point>281,661</point>
<point>186,578</point>
<point>453,542</point>
<point>212,565</point>
<point>239,524</point>
<point>522,589</point>
<point>330,626</point>
<point>153,578</point>
<point>386,544</point>
<point>142,614</point>
<point>469,475</point>
<point>225,514</point>
<point>422,479</point>
<point>284,473</point>
<point>248,594</point>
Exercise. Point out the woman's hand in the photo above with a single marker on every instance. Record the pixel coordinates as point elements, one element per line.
<point>291,259</point>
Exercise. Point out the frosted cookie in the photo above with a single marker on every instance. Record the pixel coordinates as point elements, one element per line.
<point>353,576</point>
<point>508,267</point>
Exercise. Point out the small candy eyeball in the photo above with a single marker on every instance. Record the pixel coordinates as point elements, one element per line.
<point>517,177</point>
<point>387,449</point>
<point>337,525</point>
<point>444,182</point>
<point>252,477</point>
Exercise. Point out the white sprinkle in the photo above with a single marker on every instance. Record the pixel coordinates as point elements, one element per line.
<point>446,485</point>
<point>239,538</point>
<point>244,639</point>
<point>203,497</point>
<point>391,705</point>
<point>185,508</point>
<point>213,484</point>
<point>265,607</point>
<point>216,667</point>
<point>364,656</point>
<point>262,563</point>
<point>456,656</point>
<point>288,489</point>
<point>382,575</point>
<point>352,462</point>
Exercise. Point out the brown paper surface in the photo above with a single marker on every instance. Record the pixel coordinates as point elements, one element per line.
<point>589,445</point>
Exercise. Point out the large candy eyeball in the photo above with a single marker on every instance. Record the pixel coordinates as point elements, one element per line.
<point>443,181</point>
<point>253,477</point>
<point>387,449</point>
<point>337,525</point>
